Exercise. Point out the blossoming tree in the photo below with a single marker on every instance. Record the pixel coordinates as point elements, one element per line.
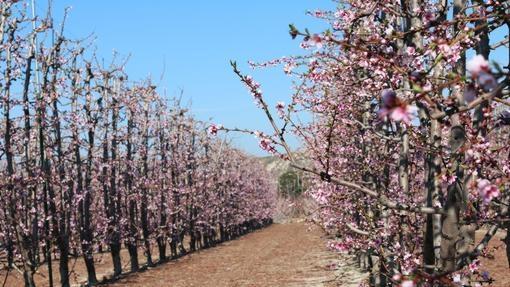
<point>91,161</point>
<point>409,141</point>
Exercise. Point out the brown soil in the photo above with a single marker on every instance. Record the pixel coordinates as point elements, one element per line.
<point>78,271</point>
<point>291,254</point>
<point>496,263</point>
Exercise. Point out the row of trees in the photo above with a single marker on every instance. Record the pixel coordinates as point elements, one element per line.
<point>410,141</point>
<point>92,162</point>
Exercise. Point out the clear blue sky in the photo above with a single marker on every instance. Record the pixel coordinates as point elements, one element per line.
<point>192,42</point>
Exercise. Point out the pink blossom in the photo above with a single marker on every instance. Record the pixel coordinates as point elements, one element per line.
<point>408,283</point>
<point>427,87</point>
<point>346,15</point>
<point>316,41</point>
<point>476,65</point>
<point>444,48</point>
<point>254,87</point>
<point>395,108</point>
<point>339,246</point>
<point>265,144</point>
<point>280,106</point>
<point>457,278</point>
<point>429,17</point>
<point>487,190</point>
<point>403,113</point>
<point>451,53</point>
<point>449,179</point>
<point>473,266</point>
<point>213,129</point>
<point>288,68</point>
<point>319,14</point>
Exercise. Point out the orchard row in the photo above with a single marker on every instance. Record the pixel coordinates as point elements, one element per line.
<point>409,135</point>
<point>91,162</point>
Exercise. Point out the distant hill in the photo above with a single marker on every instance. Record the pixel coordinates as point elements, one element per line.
<point>290,208</point>
<point>275,165</point>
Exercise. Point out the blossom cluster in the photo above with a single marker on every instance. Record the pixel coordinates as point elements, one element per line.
<point>409,134</point>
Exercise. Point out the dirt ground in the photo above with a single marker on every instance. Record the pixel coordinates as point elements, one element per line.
<point>289,254</point>
<point>496,263</point>
<point>292,254</point>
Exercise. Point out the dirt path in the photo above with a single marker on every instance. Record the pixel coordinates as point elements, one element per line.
<point>291,254</point>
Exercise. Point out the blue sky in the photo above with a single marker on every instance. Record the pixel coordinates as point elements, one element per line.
<point>192,43</point>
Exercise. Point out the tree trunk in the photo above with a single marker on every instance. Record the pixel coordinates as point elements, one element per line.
<point>162,205</point>
<point>143,208</point>
<point>115,245</point>
<point>62,231</point>
<point>12,217</point>
<point>86,234</point>
<point>131,241</point>
<point>109,187</point>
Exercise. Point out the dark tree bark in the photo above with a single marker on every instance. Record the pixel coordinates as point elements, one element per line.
<point>86,235</point>
<point>145,172</point>
<point>161,239</point>
<point>12,214</point>
<point>133,234</point>
<point>109,186</point>
<point>61,224</point>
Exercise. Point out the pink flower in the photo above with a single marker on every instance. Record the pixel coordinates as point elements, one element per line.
<point>445,49</point>
<point>408,283</point>
<point>451,53</point>
<point>395,108</point>
<point>473,266</point>
<point>346,15</point>
<point>476,65</point>
<point>213,129</point>
<point>427,87</point>
<point>487,190</point>
<point>316,41</point>
<point>428,17</point>
<point>449,179</point>
<point>254,88</point>
<point>280,106</point>
<point>402,113</point>
<point>251,83</point>
<point>288,68</point>
<point>340,246</point>
<point>457,278</point>
<point>319,14</point>
<point>265,144</point>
